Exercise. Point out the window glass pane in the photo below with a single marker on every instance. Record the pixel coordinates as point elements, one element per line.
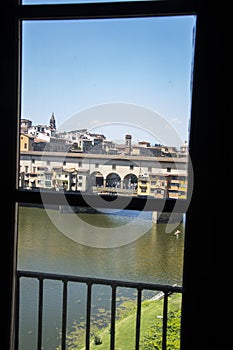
<point>45,245</point>
<point>105,110</point>
<point>97,90</point>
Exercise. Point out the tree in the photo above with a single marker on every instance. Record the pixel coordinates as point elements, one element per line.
<point>153,339</point>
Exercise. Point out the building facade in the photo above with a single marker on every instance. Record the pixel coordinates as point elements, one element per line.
<point>157,177</point>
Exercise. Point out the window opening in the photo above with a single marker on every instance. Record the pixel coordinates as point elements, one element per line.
<point>129,70</point>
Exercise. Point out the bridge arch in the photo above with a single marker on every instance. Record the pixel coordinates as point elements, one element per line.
<point>96,179</point>
<point>113,180</point>
<point>130,181</point>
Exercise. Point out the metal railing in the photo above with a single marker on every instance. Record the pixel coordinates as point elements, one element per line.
<point>165,290</point>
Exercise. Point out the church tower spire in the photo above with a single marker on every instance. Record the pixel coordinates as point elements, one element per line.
<point>52,123</point>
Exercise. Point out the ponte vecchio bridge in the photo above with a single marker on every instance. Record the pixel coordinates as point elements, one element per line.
<point>97,172</point>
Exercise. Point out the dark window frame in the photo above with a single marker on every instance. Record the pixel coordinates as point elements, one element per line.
<point>210,69</point>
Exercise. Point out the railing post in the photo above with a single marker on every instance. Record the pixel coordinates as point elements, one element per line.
<point>40,313</point>
<point>64,315</point>
<point>88,316</point>
<point>165,309</point>
<point>138,319</point>
<point>113,318</point>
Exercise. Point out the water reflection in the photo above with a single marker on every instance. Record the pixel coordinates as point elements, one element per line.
<point>155,257</point>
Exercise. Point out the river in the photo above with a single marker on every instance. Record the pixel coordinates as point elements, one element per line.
<point>155,256</point>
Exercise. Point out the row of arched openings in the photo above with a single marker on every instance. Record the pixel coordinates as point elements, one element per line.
<point>114,180</point>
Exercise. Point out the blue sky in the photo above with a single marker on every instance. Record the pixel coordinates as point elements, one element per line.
<point>72,66</point>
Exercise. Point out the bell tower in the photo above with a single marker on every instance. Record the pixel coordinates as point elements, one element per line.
<point>52,123</point>
<point>128,144</point>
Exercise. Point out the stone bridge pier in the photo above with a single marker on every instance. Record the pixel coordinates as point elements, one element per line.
<point>158,217</point>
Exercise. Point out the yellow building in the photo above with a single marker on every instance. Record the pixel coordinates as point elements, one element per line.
<point>152,185</point>
<point>26,142</point>
<point>177,186</point>
<point>183,184</point>
<point>143,185</point>
<point>162,186</point>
